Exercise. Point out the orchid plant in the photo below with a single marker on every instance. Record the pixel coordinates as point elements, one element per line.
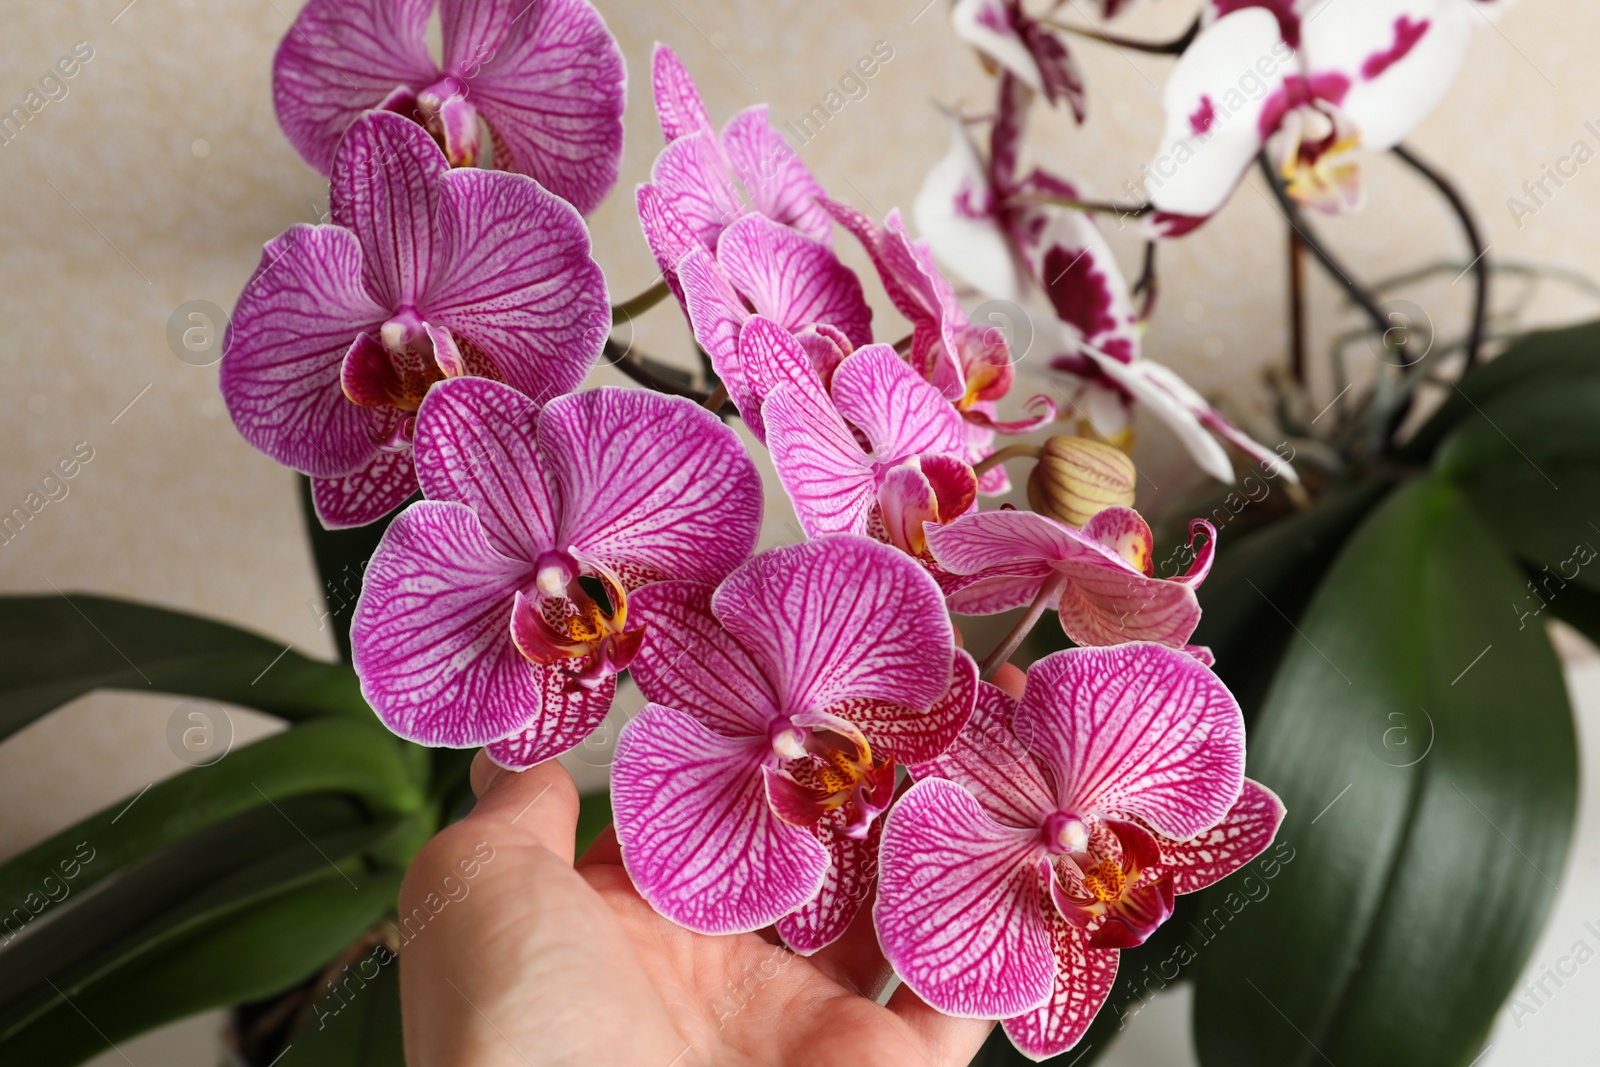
<point>818,753</point>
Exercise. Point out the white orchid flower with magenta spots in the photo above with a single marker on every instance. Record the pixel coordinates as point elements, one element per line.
<point>1058,830</point>
<point>425,273</point>
<point>1312,84</point>
<point>499,610</point>
<point>747,792</point>
<point>546,78</point>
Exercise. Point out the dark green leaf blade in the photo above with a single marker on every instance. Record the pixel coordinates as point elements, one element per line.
<point>1421,875</point>
<point>56,648</point>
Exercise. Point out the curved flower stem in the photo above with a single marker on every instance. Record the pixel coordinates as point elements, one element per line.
<point>624,361</point>
<point>1174,47</point>
<point>990,462</point>
<point>1041,603</point>
<point>718,397</point>
<point>1297,308</point>
<point>1469,228</point>
<point>638,305</point>
<point>1291,212</point>
<point>1147,286</point>
<point>1103,207</point>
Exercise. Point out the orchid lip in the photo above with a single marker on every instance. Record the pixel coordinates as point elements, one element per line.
<point>553,572</point>
<point>787,739</point>
<point>1065,833</point>
<point>403,330</point>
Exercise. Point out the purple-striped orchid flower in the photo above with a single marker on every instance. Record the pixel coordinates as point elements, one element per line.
<point>747,792</point>
<point>425,274</point>
<point>1006,234</point>
<point>546,78</point>
<point>878,450</point>
<point>1320,81</point>
<point>1058,829</point>
<point>971,365</point>
<point>1101,579</point>
<point>474,626</point>
<point>703,181</point>
<point>787,278</point>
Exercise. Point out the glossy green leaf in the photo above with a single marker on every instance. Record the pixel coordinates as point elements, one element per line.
<point>255,952</point>
<point>1262,582</point>
<point>1551,523</point>
<point>1424,747</point>
<point>1546,355</point>
<point>324,756</point>
<point>1542,425</point>
<point>56,648</point>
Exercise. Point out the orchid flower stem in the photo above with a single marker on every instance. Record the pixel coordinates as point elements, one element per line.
<point>1041,603</point>
<point>624,360</point>
<point>1147,287</point>
<point>989,463</point>
<point>718,397</point>
<point>1103,207</point>
<point>1297,308</point>
<point>1291,212</point>
<point>1175,47</point>
<point>638,305</point>
<point>1474,236</point>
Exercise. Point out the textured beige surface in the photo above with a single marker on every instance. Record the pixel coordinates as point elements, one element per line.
<point>158,176</point>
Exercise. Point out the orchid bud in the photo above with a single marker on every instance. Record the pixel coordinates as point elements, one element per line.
<point>1076,479</point>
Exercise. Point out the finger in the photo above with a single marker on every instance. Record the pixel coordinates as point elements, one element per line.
<point>947,1040</point>
<point>855,961</point>
<point>483,772</point>
<point>540,803</point>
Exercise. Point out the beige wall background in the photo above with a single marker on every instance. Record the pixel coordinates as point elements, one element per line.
<point>158,177</point>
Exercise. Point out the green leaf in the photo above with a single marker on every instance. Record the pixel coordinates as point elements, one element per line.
<point>1579,608</point>
<point>1423,862</point>
<point>594,815</point>
<point>1262,582</point>
<point>1535,427</point>
<point>273,945</point>
<point>323,756</point>
<point>56,648</point>
<point>1549,354</point>
<point>1553,524</point>
<point>356,1022</point>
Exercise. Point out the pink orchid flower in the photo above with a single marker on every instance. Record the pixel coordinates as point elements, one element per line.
<point>546,78</point>
<point>878,451</point>
<point>1003,235</point>
<point>1309,83</point>
<point>426,273</point>
<point>1101,579</point>
<point>1058,830</point>
<point>702,181</point>
<point>474,625</point>
<point>970,365</point>
<point>763,268</point>
<point>747,792</point>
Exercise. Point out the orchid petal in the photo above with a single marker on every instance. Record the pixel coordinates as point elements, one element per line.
<point>385,188</point>
<point>1138,728</point>
<point>430,633</point>
<point>1241,836</point>
<point>986,25</point>
<point>516,279</point>
<point>716,314</point>
<point>1084,977</point>
<point>958,910</point>
<point>988,761</point>
<point>678,102</point>
<point>668,234</point>
<point>822,467</point>
<point>793,278</point>
<point>1152,388</point>
<point>691,177</point>
<point>698,837</point>
<point>691,663</point>
<point>1206,148</point>
<point>1081,279</point>
<point>842,618</point>
<point>341,57</point>
<point>295,321</point>
<point>779,185</point>
<point>552,86</point>
<point>901,414</point>
<point>653,486</point>
<point>570,712</point>
<point>852,877</point>
<point>365,495</point>
<point>910,734</point>
<point>475,446</point>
